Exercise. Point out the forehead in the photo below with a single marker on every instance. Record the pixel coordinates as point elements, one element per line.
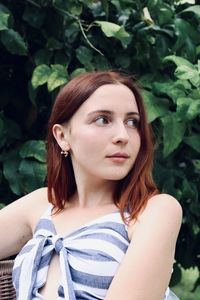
<point>111,97</point>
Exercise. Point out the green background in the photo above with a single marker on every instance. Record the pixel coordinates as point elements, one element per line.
<point>45,43</point>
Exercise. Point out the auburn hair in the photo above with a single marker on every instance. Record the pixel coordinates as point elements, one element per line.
<point>132,192</point>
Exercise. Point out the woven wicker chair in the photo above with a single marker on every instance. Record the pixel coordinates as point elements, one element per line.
<point>7,291</point>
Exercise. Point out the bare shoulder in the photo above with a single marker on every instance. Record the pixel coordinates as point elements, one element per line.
<point>34,205</point>
<point>164,204</point>
<point>36,198</point>
<point>28,207</point>
<point>162,209</point>
<point>37,202</point>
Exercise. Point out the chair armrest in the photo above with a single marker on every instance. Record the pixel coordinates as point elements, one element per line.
<point>7,291</point>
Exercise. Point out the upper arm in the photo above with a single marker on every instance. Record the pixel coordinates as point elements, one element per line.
<point>145,271</point>
<point>15,224</point>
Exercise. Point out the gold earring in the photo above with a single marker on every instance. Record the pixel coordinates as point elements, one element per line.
<point>64,152</point>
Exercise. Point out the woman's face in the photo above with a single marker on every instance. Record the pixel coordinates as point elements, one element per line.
<point>103,134</point>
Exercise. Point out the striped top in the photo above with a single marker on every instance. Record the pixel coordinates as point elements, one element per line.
<point>89,258</point>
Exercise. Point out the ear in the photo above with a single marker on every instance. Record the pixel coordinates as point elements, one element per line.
<point>60,133</point>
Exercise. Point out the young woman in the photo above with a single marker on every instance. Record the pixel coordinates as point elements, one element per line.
<point>101,229</point>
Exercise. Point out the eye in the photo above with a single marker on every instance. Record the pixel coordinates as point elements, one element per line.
<point>101,120</point>
<point>133,123</point>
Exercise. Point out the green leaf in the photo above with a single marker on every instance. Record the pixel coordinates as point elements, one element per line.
<point>169,88</point>
<point>108,28</point>
<point>165,15</point>
<point>114,30</point>
<point>13,42</point>
<point>32,173</point>
<point>122,60</point>
<point>9,131</point>
<point>4,20</point>
<point>40,75</point>
<point>178,60</point>
<point>57,78</point>
<point>34,149</point>
<point>76,9</point>
<point>101,63</point>
<point>42,56</point>
<point>194,9</point>
<point>185,70</point>
<point>183,84</point>
<point>195,94</point>
<point>194,110</point>
<point>84,55</point>
<point>77,72</point>
<point>123,36</point>
<point>53,44</point>
<point>173,132</point>
<point>34,16</point>
<point>10,171</point>
<point>187,73</point>
<point>188,108</point>
<point>155,107</point>
<point>193,141</point>
<point>59,68</point>
<point>183,104</point>
<point>61,58</point>
<point>186,35</point>
<point>72,32</point>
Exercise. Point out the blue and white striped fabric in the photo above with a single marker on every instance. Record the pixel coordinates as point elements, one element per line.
<point>89,258</point>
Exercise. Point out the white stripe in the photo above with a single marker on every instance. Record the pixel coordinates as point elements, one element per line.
<point>97,245</point>
<point>21,256</point>
<point>47,249</point>
<point>26,276</point>
<point>41,275</point>
<point>43,232</point>
<point>105,230</point>
<point>97,268</point>
<point>64,277</point>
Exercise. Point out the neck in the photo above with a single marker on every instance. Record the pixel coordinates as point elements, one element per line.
<point>94,194</point>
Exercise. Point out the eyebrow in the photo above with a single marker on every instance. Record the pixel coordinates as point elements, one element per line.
<point>109,112</point>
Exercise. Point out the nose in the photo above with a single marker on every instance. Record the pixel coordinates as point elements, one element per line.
<point>120,134</point>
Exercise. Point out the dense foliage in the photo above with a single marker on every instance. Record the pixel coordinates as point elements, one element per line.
<point>44,43</point>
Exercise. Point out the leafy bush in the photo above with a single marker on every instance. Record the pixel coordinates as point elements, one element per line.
<point>44,43</point>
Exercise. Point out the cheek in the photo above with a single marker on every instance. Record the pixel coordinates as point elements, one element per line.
<point>87,141</point>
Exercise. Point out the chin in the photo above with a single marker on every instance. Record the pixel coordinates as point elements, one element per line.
<point>116,176</point>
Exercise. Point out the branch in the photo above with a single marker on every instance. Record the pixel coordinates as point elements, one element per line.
<point>35,4</point>
<point>81,28</point>
<point>83,33</point>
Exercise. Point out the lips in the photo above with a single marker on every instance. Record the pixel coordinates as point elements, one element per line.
<point>119,155</point>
